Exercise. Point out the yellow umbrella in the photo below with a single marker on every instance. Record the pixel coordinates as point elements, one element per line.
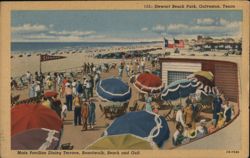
<point>46,103</point>
<point>207,74</point>
<point>123,141</point>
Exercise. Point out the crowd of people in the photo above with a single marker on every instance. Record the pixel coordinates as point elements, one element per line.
<point>188,124</point>
<point>136,65</point>
<point>77,92</point>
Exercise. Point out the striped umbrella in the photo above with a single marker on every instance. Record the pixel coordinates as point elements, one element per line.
<point>206,78</point>
<point>36,139</point>
<point>121,141</point>
<point>114,90</point>
<point>179,89</point>
<point>28,116</point>
<point>148,83</point>
<point>144,124</point>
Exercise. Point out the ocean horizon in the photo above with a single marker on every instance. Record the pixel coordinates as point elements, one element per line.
<point>32,47</point>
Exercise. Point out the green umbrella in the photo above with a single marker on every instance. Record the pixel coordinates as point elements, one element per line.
<point>123,141</point>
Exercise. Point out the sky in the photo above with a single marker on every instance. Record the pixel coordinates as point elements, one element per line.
<point>119,26</point>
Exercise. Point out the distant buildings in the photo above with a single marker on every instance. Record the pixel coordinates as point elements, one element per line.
<point>211,44</point>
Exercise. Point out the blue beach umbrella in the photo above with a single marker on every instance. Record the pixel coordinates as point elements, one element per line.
<point>147,125</point>
<point>114,90</point>
<point>179,89</point>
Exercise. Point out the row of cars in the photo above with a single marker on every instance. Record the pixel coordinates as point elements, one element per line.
<point>127,55</point>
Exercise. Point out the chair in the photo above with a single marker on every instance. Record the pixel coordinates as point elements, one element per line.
<point>167,116</point>
<point>133,108</point>
<point>14,99</point>
<point>106,111</point>
<point>101,108</point>
<point>66,146</point>
<point>125,106</point>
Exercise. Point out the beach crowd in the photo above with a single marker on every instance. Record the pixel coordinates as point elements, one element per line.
<point>188,124</point>
<point>77,89</point>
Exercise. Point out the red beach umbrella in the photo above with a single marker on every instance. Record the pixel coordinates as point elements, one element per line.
<point>28,116</point>
<point>50,94</point>
<point>148,83</point>
<point>36,139</point>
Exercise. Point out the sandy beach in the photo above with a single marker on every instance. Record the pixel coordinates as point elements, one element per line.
<point>72,134</point>
<point>20,65</point>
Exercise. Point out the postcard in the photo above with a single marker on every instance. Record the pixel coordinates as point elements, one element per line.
<point>124,78</point>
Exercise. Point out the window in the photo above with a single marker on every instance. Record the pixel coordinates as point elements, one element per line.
<point>177,75</point>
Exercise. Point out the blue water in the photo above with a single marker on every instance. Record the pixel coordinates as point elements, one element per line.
<point>45,46</point>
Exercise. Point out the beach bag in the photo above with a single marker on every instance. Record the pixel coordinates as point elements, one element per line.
<point>178,140</point>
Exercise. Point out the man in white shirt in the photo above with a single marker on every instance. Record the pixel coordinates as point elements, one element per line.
<point>202,129</point>
<point>228,112</point>
<point>94,69</point>
<point>37,89</point>
<point>59,79</point>
<point>127,69</point>
<point>179,116</point>
<point>74,87</point>
<point>96,78</point>
<point>64,112</point>
<point>143,66</point>
<point>28,76</point>
<point>88,86</point>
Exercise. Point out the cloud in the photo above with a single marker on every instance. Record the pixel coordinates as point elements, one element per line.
<point>220,27</point>
<point>159,28</point>
<point>177,26</point>
<point>144,29</point>
<point>39,32</point>
<point>205,21</point>
<point>27,28</point>
<point>46,37</point>
<point>72,33</point>
<point>39,36</point>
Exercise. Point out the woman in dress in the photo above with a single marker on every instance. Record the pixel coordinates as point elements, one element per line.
<point>148,100</point>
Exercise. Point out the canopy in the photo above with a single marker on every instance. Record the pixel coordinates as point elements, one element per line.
<point>206,74</point>
<point>205,81</point>
<point>144,124</point>
<point>28,116</point>
<point>50,94</point>
<point>148,83</point>
<point>206,78</point>
<point>123,141</point>
<point>179,89</point>
<point>36,139</point>
<point>114,90</point>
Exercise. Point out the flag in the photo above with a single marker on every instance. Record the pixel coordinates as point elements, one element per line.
<point>176,41</point>
<point>180,44</point>
<point>50,57</point>
<point>168,43</point>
